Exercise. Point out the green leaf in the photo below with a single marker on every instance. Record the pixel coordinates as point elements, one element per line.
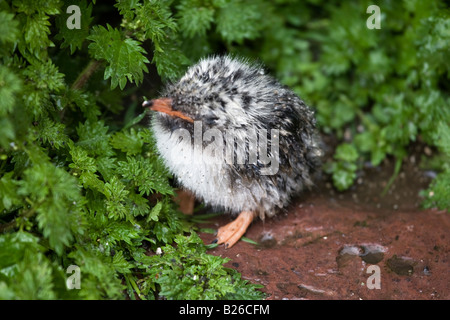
<point>98,274</point>
<point>81,161</point>
<point>10,86</point>
<point>194,19</point>
<point>54,195</point>
<point>130,141</point>
<point>52,133</point>
<point>346,152</point>
<point>45,76</point>
<point>170,61</point>
<point>35,32</point>
<point>8,28</point>
<point>343,176</point>
<point>74,38</point>
<point>125,57</point>
<point>155,212</point>
<point>8,192</point>
<point>115,194</point>
<point>438,193</point>
<point>93,137</point>
<point>157,20</point>
<point>147,174</point>
<point>25,273</point>
<point>49,7</point>
<point>239,20</point>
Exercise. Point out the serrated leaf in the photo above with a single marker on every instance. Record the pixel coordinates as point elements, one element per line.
<point>157,20</point>
<point>74,38</point>
<point>93,137</point>
<point>49,7</point>
<point>121,264</point>
<point>155,212</point>
<point>148,175</point>
<point>125,57</point>
<point>239,20</point>
<point>10,85</point>
<point>52,133</point>
<point>115,194</point>
<point>170,60</point>
<point>128,141</point>
<point>45,76</point>
<point>8,192</point>
<point>8,28</point>
<point>54,194</point>
<point>35,32</point>
<point>81,161</point>
<point>194,20</point>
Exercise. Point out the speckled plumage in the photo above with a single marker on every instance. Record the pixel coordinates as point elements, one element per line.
<point>232,95</point>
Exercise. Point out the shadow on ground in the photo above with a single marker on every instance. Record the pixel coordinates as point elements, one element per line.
<point>327,243</point>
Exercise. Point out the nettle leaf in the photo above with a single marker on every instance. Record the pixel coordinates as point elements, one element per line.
<point>25,272</point>
<point>188,272</point>
<point>74,38</point>
<point>42,80</point>
<point>121,264</point>
<point>111,232</point>
<point>125,57</point>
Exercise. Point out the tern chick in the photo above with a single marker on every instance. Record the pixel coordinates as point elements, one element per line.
<point>236,138</point>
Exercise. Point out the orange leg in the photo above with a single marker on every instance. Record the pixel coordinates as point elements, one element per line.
<point>185,201</point>
<point>232,232</point>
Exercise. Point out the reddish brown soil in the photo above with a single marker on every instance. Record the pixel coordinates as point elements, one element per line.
<point>322,248</point>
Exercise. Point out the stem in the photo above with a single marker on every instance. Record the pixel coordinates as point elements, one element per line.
<point>12,224</point>
<point>84,76</point>
<point>398,165</point>
<point>81,80</point>
<point>7,226</point>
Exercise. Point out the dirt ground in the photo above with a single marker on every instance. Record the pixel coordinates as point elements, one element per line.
<point>351,245</point>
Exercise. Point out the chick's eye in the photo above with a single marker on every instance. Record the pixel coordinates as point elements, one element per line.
<point>211,120</point>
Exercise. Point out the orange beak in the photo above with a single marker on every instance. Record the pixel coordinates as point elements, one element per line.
<point>165,105</point>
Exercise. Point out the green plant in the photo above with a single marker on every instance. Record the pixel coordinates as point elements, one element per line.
<point>80,181</point>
